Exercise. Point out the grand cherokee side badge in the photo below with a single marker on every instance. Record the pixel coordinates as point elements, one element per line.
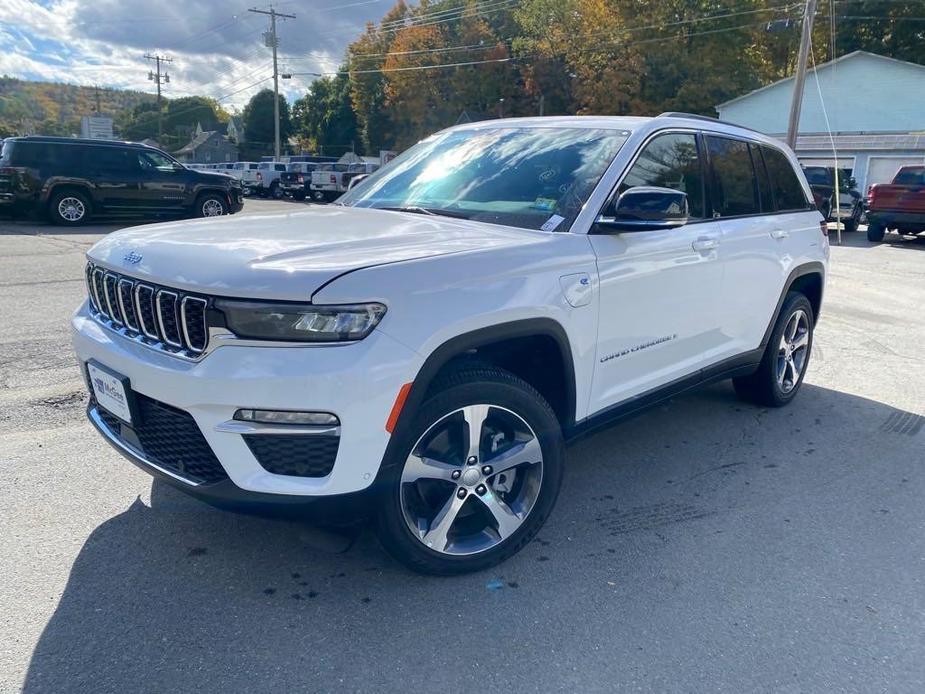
<point>132,258</point>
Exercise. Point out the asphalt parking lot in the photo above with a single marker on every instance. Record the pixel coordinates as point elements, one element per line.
<point>706,545</point>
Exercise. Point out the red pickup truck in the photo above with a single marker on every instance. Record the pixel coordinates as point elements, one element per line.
<point>899,205</point>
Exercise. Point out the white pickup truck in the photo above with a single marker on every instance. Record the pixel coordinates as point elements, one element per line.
<point>330,181</point>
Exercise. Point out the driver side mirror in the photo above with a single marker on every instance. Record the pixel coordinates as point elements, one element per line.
<point>645,208</point>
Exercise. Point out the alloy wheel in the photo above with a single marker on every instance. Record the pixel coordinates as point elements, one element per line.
<point>71,209</point>
<point>471,480</point>
<point>793,351</point>
<point>212,208</point>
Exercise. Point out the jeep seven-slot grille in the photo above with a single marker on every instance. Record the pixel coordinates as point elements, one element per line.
<point>172,319</point>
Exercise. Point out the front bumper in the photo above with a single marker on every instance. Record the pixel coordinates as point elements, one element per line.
<point>358,382</point>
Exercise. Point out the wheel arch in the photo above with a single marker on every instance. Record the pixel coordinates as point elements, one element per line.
<point>501,345</point>
<point>63,186</point>
<point>807,279</point>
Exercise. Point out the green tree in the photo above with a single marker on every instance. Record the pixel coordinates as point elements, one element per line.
<point>324,118</point>
<point>258,120</point>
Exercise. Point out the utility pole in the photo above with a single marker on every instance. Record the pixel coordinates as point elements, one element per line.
<point>158,79</point>
<point>796,103</point>
<point>270,39</point>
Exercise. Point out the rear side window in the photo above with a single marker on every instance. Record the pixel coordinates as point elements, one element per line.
<point>910,177</point>
<point>670,161</point>
<point>279,167</point>
<point>735,188</point>
<point>786,190</point>
<point>113,159</point>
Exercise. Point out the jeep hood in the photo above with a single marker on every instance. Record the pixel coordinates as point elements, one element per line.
<point>289,256</point>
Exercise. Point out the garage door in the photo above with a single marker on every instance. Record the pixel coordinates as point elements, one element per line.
<point>828,162</point>
<point>882,169</point>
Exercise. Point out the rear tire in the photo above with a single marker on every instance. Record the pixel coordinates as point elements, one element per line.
<point>785,359</point>
<point>875,232</point>
<point>423,521</point>
<point>298,196</point>
<point>69,208</point>
<point>275,191</point>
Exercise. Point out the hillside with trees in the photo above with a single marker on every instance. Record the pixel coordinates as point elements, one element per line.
<point>425,67</point>
<point>52,108</point>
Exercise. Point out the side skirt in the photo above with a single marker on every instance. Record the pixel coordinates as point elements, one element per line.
<point>741,365</point>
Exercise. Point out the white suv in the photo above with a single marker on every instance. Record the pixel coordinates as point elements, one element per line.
<point>421,350</point>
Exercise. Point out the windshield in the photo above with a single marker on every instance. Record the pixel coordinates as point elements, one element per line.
<point>533,178</point>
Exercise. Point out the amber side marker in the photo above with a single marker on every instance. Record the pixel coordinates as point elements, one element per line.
<point>397,407</point>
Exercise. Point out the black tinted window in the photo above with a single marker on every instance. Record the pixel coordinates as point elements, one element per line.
<point>735,190</point>
<point>112,159</point>
<point>786,189</point>
<point>670,161</point>
<point>31,154</point>
<point>910,177</point>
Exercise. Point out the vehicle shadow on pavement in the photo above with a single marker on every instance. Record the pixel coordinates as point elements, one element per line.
<point>178,596</point>
<point>859,240</point>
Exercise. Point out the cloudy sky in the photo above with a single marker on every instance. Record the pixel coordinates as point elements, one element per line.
<point>216,45</point>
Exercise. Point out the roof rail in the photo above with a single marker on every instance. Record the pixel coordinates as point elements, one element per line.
<point>708,119</point>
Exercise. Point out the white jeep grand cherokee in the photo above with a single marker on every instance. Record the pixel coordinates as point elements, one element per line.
<point>420,351</point>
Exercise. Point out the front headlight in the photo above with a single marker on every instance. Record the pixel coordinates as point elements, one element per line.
<point>300,322</point>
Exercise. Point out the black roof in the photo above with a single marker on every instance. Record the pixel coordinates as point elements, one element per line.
<point>50,139</point>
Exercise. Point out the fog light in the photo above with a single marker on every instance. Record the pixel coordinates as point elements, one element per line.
<point>287,417</point>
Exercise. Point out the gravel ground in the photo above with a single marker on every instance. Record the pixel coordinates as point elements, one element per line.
<point>706,545</point>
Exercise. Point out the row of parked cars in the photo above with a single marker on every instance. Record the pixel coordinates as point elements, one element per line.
<point>321,179</point>
<point>898,205</point>
<point>70,180</point>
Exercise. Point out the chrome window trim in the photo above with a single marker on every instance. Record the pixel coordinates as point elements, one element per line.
<point>160,316</point>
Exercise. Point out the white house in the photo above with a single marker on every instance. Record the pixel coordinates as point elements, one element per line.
<point>875,108</point>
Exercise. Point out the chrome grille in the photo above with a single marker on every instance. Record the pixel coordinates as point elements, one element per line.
<point>166,318</point>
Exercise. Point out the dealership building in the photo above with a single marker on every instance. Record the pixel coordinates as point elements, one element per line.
<point>876,113</point>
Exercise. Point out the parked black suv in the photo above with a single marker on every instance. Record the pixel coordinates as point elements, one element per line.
<point>71,179</point>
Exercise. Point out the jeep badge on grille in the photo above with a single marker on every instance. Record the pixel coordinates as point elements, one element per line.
<point>132,258</point>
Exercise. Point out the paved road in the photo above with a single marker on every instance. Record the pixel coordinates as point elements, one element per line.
<point>704,546</point>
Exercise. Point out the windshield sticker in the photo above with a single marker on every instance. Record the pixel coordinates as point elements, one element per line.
<point>545,204</point>
<point>551,223</point>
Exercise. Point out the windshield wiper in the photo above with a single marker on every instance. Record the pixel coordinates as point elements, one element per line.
<point>435,212</point>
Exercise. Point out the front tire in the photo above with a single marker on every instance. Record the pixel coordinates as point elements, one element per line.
<point>785,359</point>
<point>69,208</point>
<point>211,205</point>
<point>455,503</point>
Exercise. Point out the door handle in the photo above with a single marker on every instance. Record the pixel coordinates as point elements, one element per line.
<point>705,244</point>
<point>780,234</point>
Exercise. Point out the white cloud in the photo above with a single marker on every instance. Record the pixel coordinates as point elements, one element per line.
<point>217,48</point>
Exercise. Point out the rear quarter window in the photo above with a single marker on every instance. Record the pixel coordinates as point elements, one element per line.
<point>786,190</point>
